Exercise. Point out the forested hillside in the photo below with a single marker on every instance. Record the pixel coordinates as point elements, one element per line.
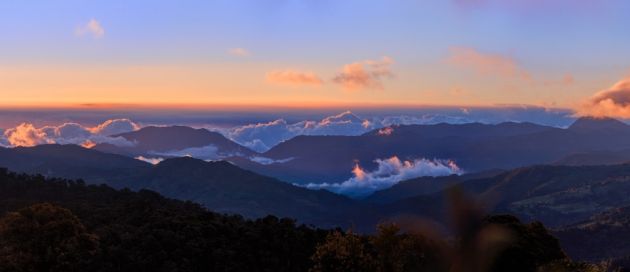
<point>63,225</point>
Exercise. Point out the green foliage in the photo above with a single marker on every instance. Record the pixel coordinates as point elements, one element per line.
<point>44,237</point>
<point>566,265</point>
<point>143,231</point>
<point>102,229</point>
<point>397,252</point>
<point>387,251</point>
<point>344,252</point>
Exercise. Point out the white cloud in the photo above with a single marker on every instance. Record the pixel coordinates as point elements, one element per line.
<point>149,160</point>
<point>263,136</point>
<point>92,28</point>
<point>389,172</point>
<point>209,152</point>
<point>426,119</point>
<point>115,126</point>
<point>3,141</point>
<point>268,161</point>
<point>27,134</point>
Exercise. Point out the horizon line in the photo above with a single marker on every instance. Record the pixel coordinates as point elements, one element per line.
<point>261,106</point>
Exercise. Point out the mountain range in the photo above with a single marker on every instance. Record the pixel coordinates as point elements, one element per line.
<point>474,147</point>
<point>175,141</point>
<point>524,169</point>
<point>220,186</point>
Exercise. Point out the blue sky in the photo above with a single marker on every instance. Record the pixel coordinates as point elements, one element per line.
<point>585,39</point>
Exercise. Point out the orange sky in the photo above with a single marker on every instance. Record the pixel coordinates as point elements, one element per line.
<point>312,53</point>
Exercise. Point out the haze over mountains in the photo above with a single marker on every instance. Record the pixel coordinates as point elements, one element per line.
<point>219,185</point>
<point>473,147</point>
<point>175,141</point>
<point>358,165</point>
<point>563,177</point>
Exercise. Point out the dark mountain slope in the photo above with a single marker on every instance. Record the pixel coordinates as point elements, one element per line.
<point>159,141</point>
<point>424,186</point>
<point>217,185</point>
<point>601,237</point>
<point>97,228</point>
<point>596,158</point>
<point>143,231</point>
<point>555,195</point>
<point>224,187</point>
<point>70,161</point>
<point>474,147</point>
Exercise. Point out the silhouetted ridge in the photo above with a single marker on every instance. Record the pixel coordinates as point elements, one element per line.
<point>218,185</point>
<point>162,141</point>
<point>598,123</point>
<point>190,162</point>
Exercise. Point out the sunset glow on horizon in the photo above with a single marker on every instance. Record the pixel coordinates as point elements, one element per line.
<point>240,54</point>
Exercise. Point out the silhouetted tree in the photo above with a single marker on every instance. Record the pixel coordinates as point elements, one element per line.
<point>398,252</point>
<point>45,237</point>
<point>344,252</point>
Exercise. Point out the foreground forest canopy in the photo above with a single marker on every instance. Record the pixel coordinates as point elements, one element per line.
<point>65,225</point>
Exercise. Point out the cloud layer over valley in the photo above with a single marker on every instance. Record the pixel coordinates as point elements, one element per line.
<point>27,134</point>
<point>261,135</point>
<point>388,173</point>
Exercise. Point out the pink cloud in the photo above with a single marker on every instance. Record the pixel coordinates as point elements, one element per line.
<point>293,78</point>
<point>70,133</point>
<point>367,74</point>
<point>566,80</point>
<point>613,102</point>
<point>26,135</point>
<point>486,64</point>
<point>239,52</point>
<point>93,28</point>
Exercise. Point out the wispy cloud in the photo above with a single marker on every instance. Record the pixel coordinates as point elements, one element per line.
<point>209,152</point>
<point>293,78</point>
<point>566,80</point>
<point>367,74</point>
<point>486,63</point>
<point>613,102</point>
<point>92,28</point>
<point>239,52</point>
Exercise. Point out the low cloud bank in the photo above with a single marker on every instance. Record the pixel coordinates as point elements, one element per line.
<point>388,173</point>
<point>263,136</point>
<point>153,161</point>
<point>27,134</point>
<point>3,141</point>
<point>209,152</point>
<point>268,161</point>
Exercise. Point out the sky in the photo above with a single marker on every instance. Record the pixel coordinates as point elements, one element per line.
<point>316,53</point>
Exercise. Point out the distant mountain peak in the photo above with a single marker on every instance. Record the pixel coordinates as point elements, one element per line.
<point>598,123</point>
<point>346,116</point>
